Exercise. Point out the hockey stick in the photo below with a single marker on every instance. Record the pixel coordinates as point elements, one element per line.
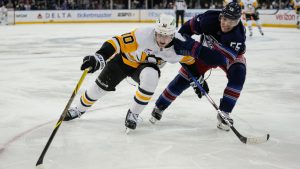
<point>243,139</point>
<point>39,164</point>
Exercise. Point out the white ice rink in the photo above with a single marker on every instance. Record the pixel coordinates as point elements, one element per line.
<point>39,68</point>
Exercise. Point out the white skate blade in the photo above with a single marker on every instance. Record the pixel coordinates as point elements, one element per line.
<point>40,166</point>
<point>153,120</point>
<point>128,130</point>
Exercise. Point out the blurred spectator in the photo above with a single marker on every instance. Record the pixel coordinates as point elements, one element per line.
<point>212,6</point>
<point>180,8</point>
<point>264,6</point>
<point>9,4</point>
<point>27,6</point>
<point>274,5</point>
<point>123,4</point>
<point>206,5</point>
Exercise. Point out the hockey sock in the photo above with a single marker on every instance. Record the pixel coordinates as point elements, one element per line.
<point>148,82</point>
<point>236,78</point>
<point>141,99</point>
<point>174,89</point>
<point>89,97</point>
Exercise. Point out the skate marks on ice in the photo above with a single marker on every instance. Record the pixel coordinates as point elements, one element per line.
<point>28,131</point>
<point>15,138</point>
<point>183,139</point>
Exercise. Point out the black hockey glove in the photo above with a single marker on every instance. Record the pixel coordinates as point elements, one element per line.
<point>149,57</point>
<point>153,59</point>
<point>94,61</point>
<point>204,85</point>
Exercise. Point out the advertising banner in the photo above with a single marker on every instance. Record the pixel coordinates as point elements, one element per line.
<point>74,16</point>
<point>281,18</point>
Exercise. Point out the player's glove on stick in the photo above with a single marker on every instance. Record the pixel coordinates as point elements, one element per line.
<point>187,46</point>
<point>203,84</point>
<point>149,57</point>
<point>94,61</point>
<point>153,59</point>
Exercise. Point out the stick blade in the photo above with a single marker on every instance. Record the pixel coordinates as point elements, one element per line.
<point>258,140</point>
<point>40,166</point>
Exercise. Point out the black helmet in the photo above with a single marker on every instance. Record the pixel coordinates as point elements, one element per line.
<point>232,11</point>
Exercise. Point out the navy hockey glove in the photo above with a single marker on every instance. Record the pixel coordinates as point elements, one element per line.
<point>204,85</point>
<point>94,61</point>
<point>186,45</point>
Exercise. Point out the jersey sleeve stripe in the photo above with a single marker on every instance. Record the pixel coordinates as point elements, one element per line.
<point>115,44</point>
<point>229,54</point>
<point>187,60</point>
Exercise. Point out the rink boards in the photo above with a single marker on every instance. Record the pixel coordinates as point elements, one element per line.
<point>272,18</point>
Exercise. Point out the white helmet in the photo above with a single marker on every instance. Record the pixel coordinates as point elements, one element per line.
<point>165,25</point>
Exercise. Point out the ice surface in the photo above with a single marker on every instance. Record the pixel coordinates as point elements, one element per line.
<point>39,68</point>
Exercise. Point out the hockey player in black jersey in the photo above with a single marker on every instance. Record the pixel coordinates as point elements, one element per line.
<point>223,34</point>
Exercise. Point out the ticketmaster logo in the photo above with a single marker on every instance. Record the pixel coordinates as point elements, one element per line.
<point>93,15</point>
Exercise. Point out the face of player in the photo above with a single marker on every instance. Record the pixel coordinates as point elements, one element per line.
<point>163,40</point>
<point>227,24</point>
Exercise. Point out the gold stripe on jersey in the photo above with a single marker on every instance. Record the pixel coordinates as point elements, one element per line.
<point>187,60</point>
<point>144,56</point>
<point>130,63</point>
<point>131,57</point>
<point>115,44</point>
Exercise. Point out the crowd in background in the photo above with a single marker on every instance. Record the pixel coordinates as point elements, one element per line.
<point>123,4</point>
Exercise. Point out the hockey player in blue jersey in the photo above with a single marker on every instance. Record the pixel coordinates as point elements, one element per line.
<point>223,34</point>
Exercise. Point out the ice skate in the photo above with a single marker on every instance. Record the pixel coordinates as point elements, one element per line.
<point>156,115</point>
<point>131,121</point>
<point>261,32</point>
<point>222,125</point>
<point>73,113</point>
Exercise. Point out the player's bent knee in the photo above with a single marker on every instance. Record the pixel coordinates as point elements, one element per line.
<point>237,73</point>
<point>149,78</point>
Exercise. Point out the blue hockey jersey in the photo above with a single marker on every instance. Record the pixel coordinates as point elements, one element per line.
<point>208,23</point>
